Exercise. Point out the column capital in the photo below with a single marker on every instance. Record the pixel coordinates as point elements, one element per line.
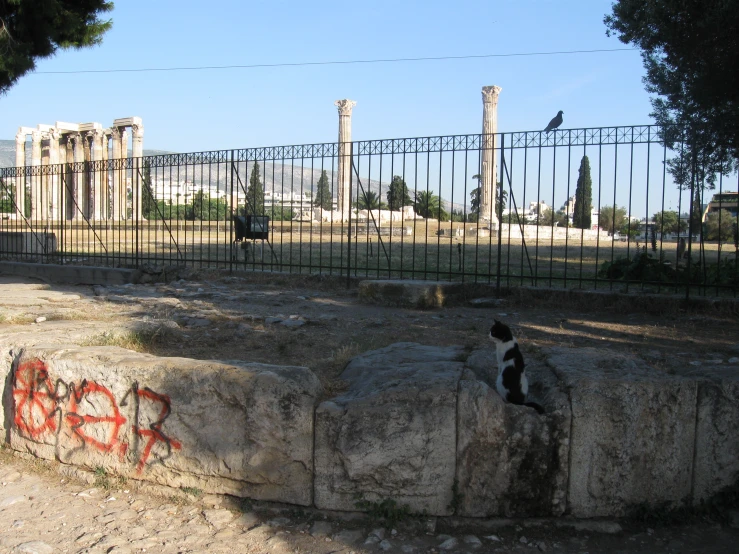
<point>490,94</point>
<point>36,136</point>
<point>116,132</point>
<point>345,106</point>
<point>137,129</point>
<point>54,133</point>
<point>20,137</point>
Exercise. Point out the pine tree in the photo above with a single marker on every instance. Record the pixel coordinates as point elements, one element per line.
<point>255,192</point>
<point>323,194</point>
<point>583,196</point>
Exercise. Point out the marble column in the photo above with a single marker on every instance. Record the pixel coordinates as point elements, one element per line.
<point>20,162</point>
<point>69,178</point>
<point>54,172</point>
<point>80,201</point>
<point>36,175</point>
<point>137,140</point>
<point>489,168</point>
<point>118,136</point>
<point>97,136</point>
<point>345,161</point>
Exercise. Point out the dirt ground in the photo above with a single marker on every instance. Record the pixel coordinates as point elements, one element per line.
<point>319,323</point>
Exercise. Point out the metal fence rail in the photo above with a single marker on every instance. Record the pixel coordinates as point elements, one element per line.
<point>178,209</point>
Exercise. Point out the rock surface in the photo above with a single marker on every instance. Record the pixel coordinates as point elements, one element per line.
<point>633,431</point>
<point>512,461</point>
<point>392,434</point>
<point>245,429</point>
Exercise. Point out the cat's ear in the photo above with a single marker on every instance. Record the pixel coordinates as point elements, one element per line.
<point>495,320</point>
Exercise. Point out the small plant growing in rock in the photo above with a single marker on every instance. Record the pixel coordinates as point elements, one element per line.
<point>387,511</point>
<point>192,491</point>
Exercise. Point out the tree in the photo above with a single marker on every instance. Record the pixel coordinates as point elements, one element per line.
<point>612,218</point>
<point>583,196</point>
<point>255,192</point>
<point>720,226</point>
<point>32,30</point>
<point>669,222</point>
<point>206,208</point>
<point>429,205</point>
<point>368,200</point>
<point>548,218</point>
<point>397,194</point>
<point>148,202</point>
<point>689,49</point>
<point>323,194</point>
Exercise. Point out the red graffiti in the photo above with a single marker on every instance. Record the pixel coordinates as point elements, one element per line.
<point>91,411</point>
<point>107,426</point>
<point>35,400</point>
<point>154,433</point>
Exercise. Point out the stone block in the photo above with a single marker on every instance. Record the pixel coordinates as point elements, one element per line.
<point>633,431</point>
<point>243,429</point>
<point>392,434</point>
<point>511,461</point>
<point>717,429</point>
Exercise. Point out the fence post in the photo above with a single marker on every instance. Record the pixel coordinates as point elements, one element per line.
<point>349,218</point>
<point>496,203</point>
<point>233,212</point>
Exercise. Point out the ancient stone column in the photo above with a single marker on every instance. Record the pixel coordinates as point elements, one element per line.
<point>118,136</point>
<point>489,168</point>
<point>80,200</point>
<point>97,137</point>
<point>69,178</point>
<point>20,161</point>
<point>36,175</point>
<point>55,172</point>
<point>137,139</point>
<point>345,160</point>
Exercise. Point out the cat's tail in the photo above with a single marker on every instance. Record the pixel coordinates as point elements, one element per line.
<point>539,409</point>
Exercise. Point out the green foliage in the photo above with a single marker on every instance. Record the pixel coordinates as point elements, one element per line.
<point>32,30</point>
<point>429,205</point>
<point>193,491</point>
<point>669,222</point>
<point>280,213</point>
<point>549,218</point>
<point>720,226</point>
<point>105,481</point>
<point>7,196</point>
<point>205,208</point>
<point>397,194</point>
<point>502,199</point>
<point>255,192</point>
<point>388,511</point>
<point>368,200</point>
<point>689,50</point>
<point>583,196</point>
<point>514,219</point>
<point>148,201</point>
<point>612,219</point>
<point>323,193</point>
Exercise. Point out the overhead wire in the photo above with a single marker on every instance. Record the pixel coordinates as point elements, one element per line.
<point>336,62</point>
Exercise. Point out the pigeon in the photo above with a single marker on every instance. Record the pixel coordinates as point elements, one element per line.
<point>555,122</point>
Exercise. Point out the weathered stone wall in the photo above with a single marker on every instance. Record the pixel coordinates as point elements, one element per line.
<point>422,425</point>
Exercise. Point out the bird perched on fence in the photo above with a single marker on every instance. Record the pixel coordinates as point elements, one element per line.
<point>555,122</point>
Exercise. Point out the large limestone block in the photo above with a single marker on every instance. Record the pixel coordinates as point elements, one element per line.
<point>392,434</point>
<point>511,461</point>
<point>243,429</point>
<point>633,431</point>
<point>717,430</point>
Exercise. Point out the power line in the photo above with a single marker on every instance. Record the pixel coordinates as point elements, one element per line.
<point>346,62</point>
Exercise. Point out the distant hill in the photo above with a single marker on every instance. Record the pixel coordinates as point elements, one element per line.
<point>7,153</point>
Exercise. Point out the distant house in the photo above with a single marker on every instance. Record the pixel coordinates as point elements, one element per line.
<point>728,201</point>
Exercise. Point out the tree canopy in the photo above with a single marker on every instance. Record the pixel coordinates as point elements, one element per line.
<point>323,198</point>
<point>397,194</point>
<point>583,196</point>
<point>255,192</point>
<point>35,29</point>
<point>690,50</point>
<point>669,222</point>
<point>430,206</point>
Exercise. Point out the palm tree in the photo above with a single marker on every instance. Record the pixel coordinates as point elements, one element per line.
<point>368,200</point>
<point>429,205</point>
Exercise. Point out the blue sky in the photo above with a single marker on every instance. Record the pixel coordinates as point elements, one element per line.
<point>215,109</point>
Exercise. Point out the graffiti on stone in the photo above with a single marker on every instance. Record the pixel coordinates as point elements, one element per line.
<point>90,411</point>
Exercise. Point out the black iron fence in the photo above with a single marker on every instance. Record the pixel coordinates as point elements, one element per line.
<point>587,208</point>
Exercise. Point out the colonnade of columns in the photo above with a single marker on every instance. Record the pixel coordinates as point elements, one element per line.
<point>78,190</point>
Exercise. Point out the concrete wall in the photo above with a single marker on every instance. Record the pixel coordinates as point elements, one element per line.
<point>422,425</point>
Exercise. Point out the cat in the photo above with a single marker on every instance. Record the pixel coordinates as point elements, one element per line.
<point>512,384</point>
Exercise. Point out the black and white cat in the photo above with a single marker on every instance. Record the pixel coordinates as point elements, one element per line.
<point>512,384</point>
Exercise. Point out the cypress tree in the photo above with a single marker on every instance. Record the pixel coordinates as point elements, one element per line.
<point>323,193</point>
<point>583,196</point>
<point>255,192</point>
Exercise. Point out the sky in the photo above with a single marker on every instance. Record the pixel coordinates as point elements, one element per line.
<point>212,109</point>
